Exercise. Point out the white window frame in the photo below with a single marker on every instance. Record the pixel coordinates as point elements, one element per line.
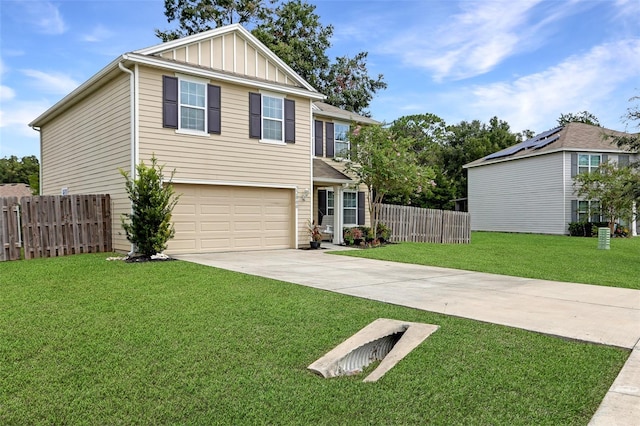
<point>186,130</point>
<point>589,167</point>
<point>263,118</point>
<point>345,151</point>
<point>585,207</point>
<point>345,208</point>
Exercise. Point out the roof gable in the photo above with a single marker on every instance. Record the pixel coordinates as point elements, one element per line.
<point>570,137</point>
<point>230,49</point>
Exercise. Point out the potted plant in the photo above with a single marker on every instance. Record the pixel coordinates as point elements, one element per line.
<point>314,233</point>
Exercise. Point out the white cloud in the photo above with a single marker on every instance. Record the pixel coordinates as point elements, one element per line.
<point>478,38</point>
<point>21,114</point>
<point>99,33</point>
<point>6,93</point>
<point>55,83</point>
<point>581,82</point>
<point>45,16</point>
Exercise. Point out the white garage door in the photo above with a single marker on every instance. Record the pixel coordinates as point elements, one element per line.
<point>226,218</point>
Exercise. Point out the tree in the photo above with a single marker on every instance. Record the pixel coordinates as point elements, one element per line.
<point>24,170</point>
<point>631,142</point>
<point>468,141</point>
<point>386,164</point>
<point>348,85</point>
<point>294,33</point>
<point>195,16</point>
<point>149,227</point>
<point>580,117</point>
<point>615,188</point>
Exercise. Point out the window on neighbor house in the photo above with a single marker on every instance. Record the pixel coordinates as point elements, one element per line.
<point>589,211</point>
<point>272,118</point>
<point>588,162</point>
<point>350,208</point>
<point>192,105</point>
<point>341,140</point>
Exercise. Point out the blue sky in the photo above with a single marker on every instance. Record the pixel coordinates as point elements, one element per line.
<point>525,61</point>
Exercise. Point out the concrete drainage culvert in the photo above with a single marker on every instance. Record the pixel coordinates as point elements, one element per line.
<point>384,340</point>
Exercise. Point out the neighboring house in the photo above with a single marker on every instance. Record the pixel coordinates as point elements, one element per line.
<point>233,120</point>
<point>15,190</point>
<point>529,187</point>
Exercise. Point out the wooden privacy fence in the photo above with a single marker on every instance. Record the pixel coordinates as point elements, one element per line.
<point>50,226</point>
<point>416,224</point>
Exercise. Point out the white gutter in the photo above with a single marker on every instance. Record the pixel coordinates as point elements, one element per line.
<point>133,130</point>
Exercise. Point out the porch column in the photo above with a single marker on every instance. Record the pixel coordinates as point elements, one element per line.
<point>634,221</point>
<point>337,214</point>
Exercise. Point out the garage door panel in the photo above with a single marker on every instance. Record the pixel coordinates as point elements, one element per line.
<point>219,218</point>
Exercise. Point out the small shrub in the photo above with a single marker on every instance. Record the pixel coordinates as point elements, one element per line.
<point>149,227</point>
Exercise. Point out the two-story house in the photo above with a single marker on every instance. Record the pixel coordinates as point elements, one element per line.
<point>232,119</point>
<point>528,187</point>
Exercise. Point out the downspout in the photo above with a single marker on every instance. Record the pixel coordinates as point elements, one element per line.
<point>132,103</point>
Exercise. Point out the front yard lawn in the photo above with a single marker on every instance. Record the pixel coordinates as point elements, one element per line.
<point>86,341</point>
<point>547,257</point>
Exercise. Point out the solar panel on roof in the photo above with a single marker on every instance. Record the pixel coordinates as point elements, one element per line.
<point>535,142</point>
<point>546,142</point>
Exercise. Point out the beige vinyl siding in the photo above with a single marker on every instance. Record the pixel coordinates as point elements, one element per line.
<point>83,149</point>
<point>231,157</point>
<point>525,195</point>
<point>230,53</point>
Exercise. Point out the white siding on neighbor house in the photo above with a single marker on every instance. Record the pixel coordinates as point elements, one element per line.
<point>519,196</point>
<point>231,157</point>
<point>83,149</point>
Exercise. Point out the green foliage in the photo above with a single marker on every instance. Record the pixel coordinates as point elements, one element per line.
<point>585,229</point>
<point>614,187</point>
<point>149,227</point>
<point>580,117</point>
<point>348,85</point>
<point>195,16</point>
<point>631,142</point>
<point>24,170</point>
<point>386,164</point>
<point>294,33</point>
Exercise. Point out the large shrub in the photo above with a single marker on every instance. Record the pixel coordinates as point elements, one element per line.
<point>148,226</point>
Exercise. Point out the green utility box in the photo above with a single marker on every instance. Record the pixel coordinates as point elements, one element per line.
<point>604,238</point>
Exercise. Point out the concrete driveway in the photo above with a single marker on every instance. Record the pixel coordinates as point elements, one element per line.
<point>605,315</point>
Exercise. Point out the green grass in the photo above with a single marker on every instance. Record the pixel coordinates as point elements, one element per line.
<point>86,341</point>
<point>548,257</point>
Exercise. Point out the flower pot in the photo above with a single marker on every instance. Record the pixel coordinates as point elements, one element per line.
<point>314,244</point>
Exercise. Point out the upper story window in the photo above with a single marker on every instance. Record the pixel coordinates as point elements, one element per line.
<point>341,140</point>
<point>588,162</point>
<point>193,105</point>
<point>272,118</point>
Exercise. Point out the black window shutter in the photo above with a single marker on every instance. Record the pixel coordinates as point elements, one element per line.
<point>330,147</point>
<point>255,115</point>
<point>322,204</point>
<point>289,121</point>
<point>169,102</point>
<point>574,164</point>
<point>574,210</point>
<point>360,208</point>
<point>623,160</point>
<point>213,98</point>
<point>604,158</point>
<point>319,127</point>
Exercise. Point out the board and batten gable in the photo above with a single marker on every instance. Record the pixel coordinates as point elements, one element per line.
<point>84,148</point>
<point>526,195</point>
<point>231,157</point>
